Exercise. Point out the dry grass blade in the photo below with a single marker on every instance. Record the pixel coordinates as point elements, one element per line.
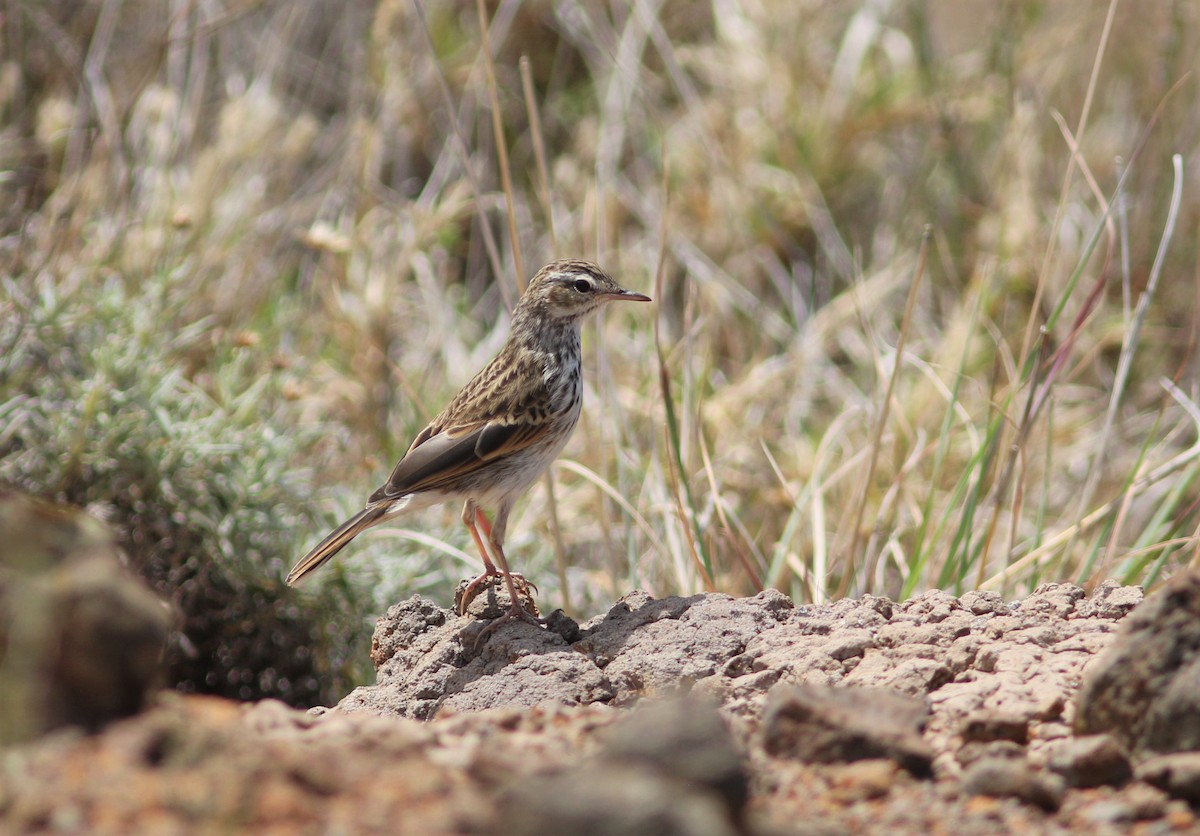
<point>1133,338</point>
<point>1053,237</point>
<point>719,504</point>
<point>489,238</point>
<point>539,151</point>
<point>615,495</point>
<point>514,234</point>
<point>884,408</point>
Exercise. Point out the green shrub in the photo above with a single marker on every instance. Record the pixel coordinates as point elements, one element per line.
<point>199,472</point>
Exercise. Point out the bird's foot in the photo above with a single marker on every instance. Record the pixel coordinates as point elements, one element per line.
<point>469,590</point>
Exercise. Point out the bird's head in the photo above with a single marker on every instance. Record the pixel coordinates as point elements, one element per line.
<point>569,289</point>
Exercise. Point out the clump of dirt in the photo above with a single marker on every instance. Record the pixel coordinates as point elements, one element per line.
<point>705,715</point>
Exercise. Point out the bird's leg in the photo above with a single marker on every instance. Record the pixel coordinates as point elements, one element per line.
<point>498,548</point>
<point>473,517</point>
<point>515,610</point>
<point>475,520</point>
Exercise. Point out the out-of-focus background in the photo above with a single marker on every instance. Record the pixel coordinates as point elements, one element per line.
<point>248,249</point>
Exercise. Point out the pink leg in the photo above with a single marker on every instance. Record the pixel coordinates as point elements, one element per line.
<point>474,518</point>
<point>511,579</point>
<point>477,522</point>
<point>482,521</point>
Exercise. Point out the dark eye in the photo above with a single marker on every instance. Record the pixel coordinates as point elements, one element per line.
<point>583,285</point>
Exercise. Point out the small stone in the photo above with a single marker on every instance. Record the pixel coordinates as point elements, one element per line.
<point>1058,599</point>
<point>974,751</point>
<point>668,767</point>
<point>567,627</point>
<point>1145,689</point>
<point>984,726</point>
<point>863,780</point>
<point>1004,778</point>
<point>1111,811</point>
<point>934,605</point>
<point>849,643</point>
<point>1049,730</point>
<point>824,724</point>
<point>1146,801</point>
<point>983,603</point>
<point>608,801</point>
<point>81,640</point>
<point>1176,774</point>
<point>1110,600</point>
<point>1091,761</point>
<point>684,738</point>
<point>998,625</point>
<point>1180,817</point>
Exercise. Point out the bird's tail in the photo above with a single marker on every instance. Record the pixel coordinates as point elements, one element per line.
<point>336,540</point>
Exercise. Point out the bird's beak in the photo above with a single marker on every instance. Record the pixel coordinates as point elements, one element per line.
<point>626,296</point>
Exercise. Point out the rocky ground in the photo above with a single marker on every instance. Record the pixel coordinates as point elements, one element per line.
<point>700,715</point>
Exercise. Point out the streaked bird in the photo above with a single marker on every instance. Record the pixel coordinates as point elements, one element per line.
<point>501,432</point>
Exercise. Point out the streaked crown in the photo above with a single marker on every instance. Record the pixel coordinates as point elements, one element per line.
<point>570,289</point>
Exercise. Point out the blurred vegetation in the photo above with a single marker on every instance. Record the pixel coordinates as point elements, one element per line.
<point>248,251</point>
<point>199,474</point>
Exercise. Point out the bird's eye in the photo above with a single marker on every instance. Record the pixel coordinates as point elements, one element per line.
<point>583,285</point>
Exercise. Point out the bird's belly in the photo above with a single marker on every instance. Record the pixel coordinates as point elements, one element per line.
<point>512,475</point>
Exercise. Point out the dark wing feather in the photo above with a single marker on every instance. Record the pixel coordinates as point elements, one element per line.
<point>441,460</point>
<point>502,410</point>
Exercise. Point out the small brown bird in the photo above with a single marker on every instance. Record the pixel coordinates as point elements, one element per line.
<point>501,432</point>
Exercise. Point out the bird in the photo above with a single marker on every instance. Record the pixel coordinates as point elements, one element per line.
<point>500,433</point>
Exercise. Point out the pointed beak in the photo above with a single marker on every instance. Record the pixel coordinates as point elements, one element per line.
<point>624,295</point>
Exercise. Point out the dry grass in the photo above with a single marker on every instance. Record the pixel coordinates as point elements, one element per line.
<point>327,187</point>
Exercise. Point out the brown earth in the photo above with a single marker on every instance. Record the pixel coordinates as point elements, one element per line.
<point>700,715</point>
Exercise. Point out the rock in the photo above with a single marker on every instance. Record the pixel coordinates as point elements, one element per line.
<point>932,606</point>
<point>1144,801</point>
<point>1176,774</point>
<point>1110,600</point>
<point>822,724</point>
<point>668,767</point>
<point>1145,690</point>
<point>1007,778</point>
<point>983,603</point>
<point>531,730</point>
<point>81,640</point>
<point>1138,802</point>
<point>1173,721</point>
<point>205,764</point>
<point>862,780</point>
<point>1092,761</point>
<point>608,802</point>
<point>985,726</point>
<point>847,644</point>
<point>684,738</point>
<point>906,670</point>
<point>1059,599</point>
<point>648,647</point>
<point>562,624</point>
<point>426,660</point>
<point>975,750</point>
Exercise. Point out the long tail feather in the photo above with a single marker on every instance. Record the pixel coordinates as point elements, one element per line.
<point>337,540</point>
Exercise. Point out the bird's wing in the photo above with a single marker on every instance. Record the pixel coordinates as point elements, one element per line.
<point>504,409</point>
<point>438,461</point>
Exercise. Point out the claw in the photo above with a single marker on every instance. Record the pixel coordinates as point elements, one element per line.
<point>466,594</point>
<point>470,591</point>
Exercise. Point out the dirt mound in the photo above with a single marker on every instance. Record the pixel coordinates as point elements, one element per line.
<point>748,715</point>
